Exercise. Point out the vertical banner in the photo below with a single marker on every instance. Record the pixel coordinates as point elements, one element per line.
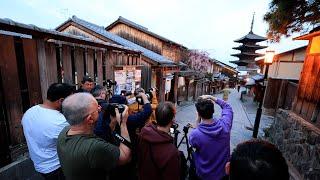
<point>137,78</point>
<point>120,78</point>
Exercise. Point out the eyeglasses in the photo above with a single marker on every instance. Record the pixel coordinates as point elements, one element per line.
<point>98,110</point>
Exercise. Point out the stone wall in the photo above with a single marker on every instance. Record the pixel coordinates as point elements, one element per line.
<point>299,142</point>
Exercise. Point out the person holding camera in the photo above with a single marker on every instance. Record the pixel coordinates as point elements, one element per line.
<point>211,138</point>
<point>152,96</point>
<point>138,119</point>
<point>82,154</point>
<point>158,158</point>
<point>103,128</point>
<point>135,122</point>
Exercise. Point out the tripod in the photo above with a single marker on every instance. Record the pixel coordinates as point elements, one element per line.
<point>185,137</point>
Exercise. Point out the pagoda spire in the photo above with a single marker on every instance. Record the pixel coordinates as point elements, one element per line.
<point>252,22</point>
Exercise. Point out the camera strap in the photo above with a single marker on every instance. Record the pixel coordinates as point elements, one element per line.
<point>122,139</point>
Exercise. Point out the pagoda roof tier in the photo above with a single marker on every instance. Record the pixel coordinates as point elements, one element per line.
<point>250,37</point>
<point>245,68</point>
<point>247,61</point>
<point>246,46</point>
<point>247,54</point>
<point>240,63</point>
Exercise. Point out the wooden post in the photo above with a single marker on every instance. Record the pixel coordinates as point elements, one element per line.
<point>90,63</point>
<point>161,84</point>
<point>111,60</point>
<point>107,63</point>
<point>187,88</point>
<point>51,63</point>
<point>195,90</point>
<point>175,88</point>
<point>67,64</point>
<point>99,67</point>
<point>32,69</point>
<point>42,68</point>
<point>79,64</point>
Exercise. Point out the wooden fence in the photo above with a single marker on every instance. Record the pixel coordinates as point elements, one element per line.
<point>280,93</point>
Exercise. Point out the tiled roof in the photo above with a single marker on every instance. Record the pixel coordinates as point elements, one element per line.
<point>141,28</point>
<point>15,34</point>
<point>117,39</point>
<point>246,46</point>
<point>251,36</point>
<point>242,54</point>
<point>13,28</point>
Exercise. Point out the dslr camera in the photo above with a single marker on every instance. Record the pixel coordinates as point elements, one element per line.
<point>109,83</point>
<point>148,94</point>
<point>112,108</point>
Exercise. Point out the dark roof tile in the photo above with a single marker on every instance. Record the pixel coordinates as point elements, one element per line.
<point>117,39</point>
<point>141,28</point>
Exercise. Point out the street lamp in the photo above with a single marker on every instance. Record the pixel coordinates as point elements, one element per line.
<point>268,59</point>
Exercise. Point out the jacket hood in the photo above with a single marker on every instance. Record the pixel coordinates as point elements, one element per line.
<point>151,134</point>
<point>211,130</point>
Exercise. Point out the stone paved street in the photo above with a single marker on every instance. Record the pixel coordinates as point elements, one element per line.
<point>244,115</point>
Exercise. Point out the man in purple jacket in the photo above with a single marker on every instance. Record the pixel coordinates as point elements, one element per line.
<point>211,138</point>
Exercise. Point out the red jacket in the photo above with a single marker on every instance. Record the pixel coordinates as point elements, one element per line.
<point>158,158</point>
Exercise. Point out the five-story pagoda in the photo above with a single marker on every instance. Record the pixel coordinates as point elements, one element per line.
<point>248,53</point>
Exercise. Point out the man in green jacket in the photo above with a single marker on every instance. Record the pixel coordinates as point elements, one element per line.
<point>82,154</point>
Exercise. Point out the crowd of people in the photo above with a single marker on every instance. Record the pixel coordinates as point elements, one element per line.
<point>82,135</point>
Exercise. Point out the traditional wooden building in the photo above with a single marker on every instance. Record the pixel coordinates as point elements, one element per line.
<point>32,58</point>
<point>296,131</point>
<point>142,36</point>
<point>307,99</point>
<point>156,69</point>
<point>283,76</point>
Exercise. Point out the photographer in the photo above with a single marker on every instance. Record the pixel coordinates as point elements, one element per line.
<point>138,119</point>
<point>104,126</point>
<point>136,107</point>
<point>158,158</point>
<point>135,121</point>
<point>211,139</point>
<point>83,155</point>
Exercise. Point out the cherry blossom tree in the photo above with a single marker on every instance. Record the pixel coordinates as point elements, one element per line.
<point>199,61</point>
